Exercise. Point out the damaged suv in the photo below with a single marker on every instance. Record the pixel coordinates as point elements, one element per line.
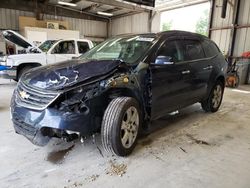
<point>118,87</point>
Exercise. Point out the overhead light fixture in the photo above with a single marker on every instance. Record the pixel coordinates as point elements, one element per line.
<point>105,13</point>
<point>66,3</point>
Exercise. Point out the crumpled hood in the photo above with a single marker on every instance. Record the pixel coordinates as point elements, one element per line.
<point>61,75</point>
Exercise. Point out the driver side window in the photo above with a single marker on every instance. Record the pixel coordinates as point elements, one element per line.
<point>64,47</point>
<point>172,50</point>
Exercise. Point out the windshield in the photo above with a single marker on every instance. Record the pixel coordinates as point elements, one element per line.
<point>128,49</point>
<point>45,46</point>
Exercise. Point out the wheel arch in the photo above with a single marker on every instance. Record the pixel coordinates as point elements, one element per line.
<point>35,64</point>
<point>220,78</point>
<point>125,92</point>
<point>22,65</point>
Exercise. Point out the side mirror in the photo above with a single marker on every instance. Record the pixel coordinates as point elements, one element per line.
<point>164,60</point>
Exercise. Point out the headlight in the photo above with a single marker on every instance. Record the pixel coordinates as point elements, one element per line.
<point>74,100</point>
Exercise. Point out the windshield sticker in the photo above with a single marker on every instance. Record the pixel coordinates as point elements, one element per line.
<point>144,39</point>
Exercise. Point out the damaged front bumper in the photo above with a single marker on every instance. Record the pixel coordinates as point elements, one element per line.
<point>40,126</point>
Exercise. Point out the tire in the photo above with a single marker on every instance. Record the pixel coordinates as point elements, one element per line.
<point>22,71</point>
<point>120,126</point>
<point>213,102</point>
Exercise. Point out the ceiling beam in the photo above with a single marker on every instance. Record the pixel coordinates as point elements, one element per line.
<point>91,7</point>
<point>49,9</point>
<point>75,1</point>
<point>112,10</point>
<point>122,5</point>
<point>123,15</point>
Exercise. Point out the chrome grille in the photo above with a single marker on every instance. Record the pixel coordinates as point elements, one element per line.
<point>23,127</point>
<point>33,98</point>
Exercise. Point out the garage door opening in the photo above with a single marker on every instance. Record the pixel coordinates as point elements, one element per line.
<point>193,18</point>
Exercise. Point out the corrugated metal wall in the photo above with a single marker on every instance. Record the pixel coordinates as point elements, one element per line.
<point>88,28</point>
<point>222,36</point>
<point>243,34</point>
<point>137,23</point>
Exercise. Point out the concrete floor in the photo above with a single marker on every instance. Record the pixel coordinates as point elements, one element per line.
<point>191,149</point>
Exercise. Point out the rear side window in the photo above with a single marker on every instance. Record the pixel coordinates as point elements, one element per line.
<point>210,48</point>
<point>193,50</point>
<point>82,47</point>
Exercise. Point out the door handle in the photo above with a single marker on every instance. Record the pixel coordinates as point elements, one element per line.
<point>209,67</point>
<point>186,72</point>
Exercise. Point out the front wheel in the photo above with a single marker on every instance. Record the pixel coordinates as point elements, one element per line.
<point>120,126</point>
<point>213,102</point>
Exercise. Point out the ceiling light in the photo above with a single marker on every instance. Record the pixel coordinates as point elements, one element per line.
<point>66,3</point>
<point>105,13</point>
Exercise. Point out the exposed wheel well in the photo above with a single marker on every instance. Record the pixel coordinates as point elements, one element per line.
<point>124,92</point>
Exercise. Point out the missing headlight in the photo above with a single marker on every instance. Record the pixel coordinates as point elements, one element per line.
<point>75,100</point>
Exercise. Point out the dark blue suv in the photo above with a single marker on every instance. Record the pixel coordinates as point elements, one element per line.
<point>118,87</point>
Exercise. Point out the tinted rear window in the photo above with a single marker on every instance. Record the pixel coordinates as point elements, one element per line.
<point>210,48</point>
<point>193,50</point>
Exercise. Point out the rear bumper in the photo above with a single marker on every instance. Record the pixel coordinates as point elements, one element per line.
<point>40,126</point>
<point>10,73</point>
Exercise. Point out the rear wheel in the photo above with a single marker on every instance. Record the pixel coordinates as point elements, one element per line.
<point>120,126</point>
<point>213,102</point>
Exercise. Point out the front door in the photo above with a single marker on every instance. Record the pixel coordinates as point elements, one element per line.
<point>171,81</point>
<point>64,50</point>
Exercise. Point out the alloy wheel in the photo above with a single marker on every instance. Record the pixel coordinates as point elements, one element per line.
<point>217,96</point>
<point>129,127</point>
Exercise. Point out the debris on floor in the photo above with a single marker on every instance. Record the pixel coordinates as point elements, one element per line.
<point>116,169</point>
<point>92,178</point>
<point>183,150</point>
<point>197,141</point>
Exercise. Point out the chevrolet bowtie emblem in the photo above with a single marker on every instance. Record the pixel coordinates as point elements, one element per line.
<point>24,95</point>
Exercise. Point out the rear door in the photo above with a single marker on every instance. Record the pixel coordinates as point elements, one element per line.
<point>200,68</point>
<point>171,83</point>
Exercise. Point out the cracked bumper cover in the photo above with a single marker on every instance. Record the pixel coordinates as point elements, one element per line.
<point>30,123</point>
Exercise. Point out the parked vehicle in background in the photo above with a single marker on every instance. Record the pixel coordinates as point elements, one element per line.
<point>118,87</point>
<point>49,52</point>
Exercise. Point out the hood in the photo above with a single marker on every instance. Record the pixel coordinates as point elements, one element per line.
<point>68,73</point>
<point>18,39</point>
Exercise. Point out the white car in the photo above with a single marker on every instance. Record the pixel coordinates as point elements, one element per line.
<point>49,52</point>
